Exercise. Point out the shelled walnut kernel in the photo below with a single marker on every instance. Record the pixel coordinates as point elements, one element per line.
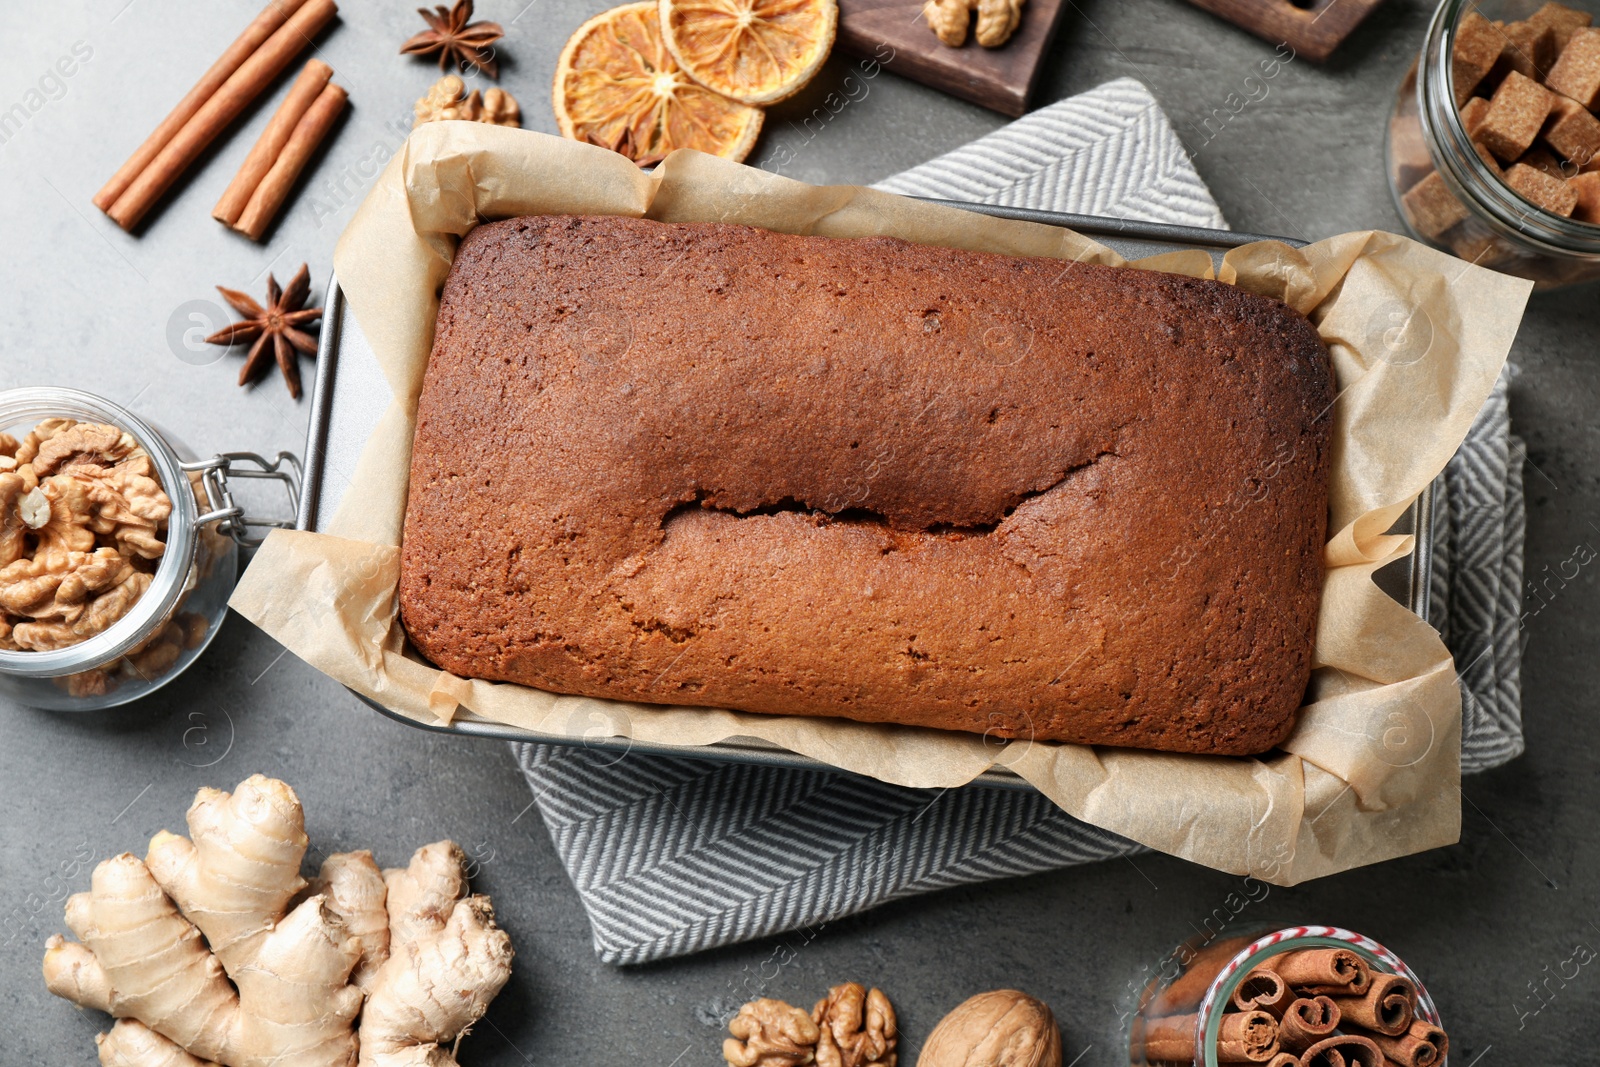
<point>949,19</point>
<point>857,1028</point>
<point>82,528</point>
<point>770,1033</point>
<point>850,1027</point>
<point>448,99</point>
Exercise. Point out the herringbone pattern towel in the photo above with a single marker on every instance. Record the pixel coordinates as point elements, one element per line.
<point>671,856</point>
<point>1107,152</point>
<point>1477,581</point>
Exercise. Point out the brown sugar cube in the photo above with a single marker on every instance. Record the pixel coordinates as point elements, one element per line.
<point>1587,189</point>
<point>1475,247</point>
<point>1532,50</point>
<point>1562,22</point>
<point>1431,207</point>
<point>1488,157</point>
<point>1572,131</point>
<point>1528,49</point>
<point>1515,116</point>
<point>1408,153</point>
<point>1576,72</point>
<point>1552,194</point>
<point>1478,46</point>
<point>1472,113</point>
<point>1541,160</point>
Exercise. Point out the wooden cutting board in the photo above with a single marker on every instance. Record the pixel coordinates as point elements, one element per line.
<point>895,34</point>
<point>1313,30</point>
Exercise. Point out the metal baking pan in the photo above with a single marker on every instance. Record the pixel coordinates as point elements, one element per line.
<point>350,394</point>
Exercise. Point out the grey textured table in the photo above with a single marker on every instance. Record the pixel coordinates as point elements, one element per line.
<point>1485,921</point>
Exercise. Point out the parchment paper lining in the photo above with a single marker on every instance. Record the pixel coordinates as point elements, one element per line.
<point>1372,768</point>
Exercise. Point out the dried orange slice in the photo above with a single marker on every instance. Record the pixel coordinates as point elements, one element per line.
<point>617,86</point>
<point>754,51</point>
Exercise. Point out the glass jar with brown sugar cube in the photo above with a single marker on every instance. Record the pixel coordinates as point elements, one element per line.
<point>1494,143</point>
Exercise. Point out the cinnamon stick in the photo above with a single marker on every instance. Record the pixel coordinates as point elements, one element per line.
<point>274,15</point>
<point>1169,1039</point>
<point>242,87</point>
<point>1346,1050</point>
<point>1189,988</point>
<point>274,188</point>
<point>1245,1037</point>
<point>1422,1045</point>
<point>1308,1020</point>
<point>1264,990</point>
<point>269,146</point>
<point>1284,1059</point>
<point>1387,1006</point>
<point>1335,971</point>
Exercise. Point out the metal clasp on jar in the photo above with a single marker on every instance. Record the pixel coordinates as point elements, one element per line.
<point>226,512</point>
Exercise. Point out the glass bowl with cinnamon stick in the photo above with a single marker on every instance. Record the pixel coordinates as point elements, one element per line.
<point>1300,996</point>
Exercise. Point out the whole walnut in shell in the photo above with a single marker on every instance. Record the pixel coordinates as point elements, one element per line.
<point>1004,1028</point>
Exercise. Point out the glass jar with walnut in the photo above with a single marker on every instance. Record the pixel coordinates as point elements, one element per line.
<point>112,579</point>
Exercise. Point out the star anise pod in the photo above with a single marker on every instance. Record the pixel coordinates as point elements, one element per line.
<point>457,40</point>
<point>273,328</point>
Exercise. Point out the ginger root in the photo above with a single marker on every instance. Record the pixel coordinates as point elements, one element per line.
<point>212,950</point>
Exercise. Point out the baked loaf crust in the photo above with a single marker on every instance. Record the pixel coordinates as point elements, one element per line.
<point>714,465</point>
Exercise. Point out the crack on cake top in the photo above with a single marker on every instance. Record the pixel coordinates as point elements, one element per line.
<point>704,500</point>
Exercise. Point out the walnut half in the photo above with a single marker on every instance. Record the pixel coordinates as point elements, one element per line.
<point>14,526</point>
<point>770,1033</point>
<point>949,20</point>
<point>857,1028</point>
<point>445,101</point>
<point>83,444</point>
<point>51,633</point>
<point>997,20</point>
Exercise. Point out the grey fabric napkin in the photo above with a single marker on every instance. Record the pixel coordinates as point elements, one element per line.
<point>1476,586</point>
<point>671,856</point>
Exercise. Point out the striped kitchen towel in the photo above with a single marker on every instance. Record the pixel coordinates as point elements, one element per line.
<point>1109,151</point>
<point>671,856</point>
<point>1476,586</point>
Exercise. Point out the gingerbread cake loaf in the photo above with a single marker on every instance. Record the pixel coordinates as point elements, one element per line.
<point>714,465</point>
